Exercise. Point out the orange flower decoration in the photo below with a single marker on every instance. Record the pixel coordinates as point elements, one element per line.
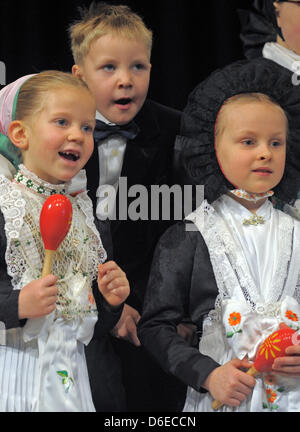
<point>234,318</point>
<point>291,315</point>
<point>271,395</point>
<point>91,298</point>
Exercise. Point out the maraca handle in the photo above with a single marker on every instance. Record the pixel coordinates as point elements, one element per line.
<point>47,268</point>
<point>217,404</point>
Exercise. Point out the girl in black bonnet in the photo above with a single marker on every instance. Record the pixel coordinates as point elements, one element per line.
<point>233,265</point>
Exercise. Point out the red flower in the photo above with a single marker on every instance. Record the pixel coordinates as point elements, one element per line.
<point>291,315</point>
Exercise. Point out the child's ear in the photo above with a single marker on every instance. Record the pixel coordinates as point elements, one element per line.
<point>18,134</point>
<point>77,71</point>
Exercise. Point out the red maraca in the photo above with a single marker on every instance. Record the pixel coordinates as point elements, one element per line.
<point>274,346</point>
<point>55,221</point>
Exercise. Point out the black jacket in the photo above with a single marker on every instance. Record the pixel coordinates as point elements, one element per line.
<point>181,284</point>
<point>148,160</point>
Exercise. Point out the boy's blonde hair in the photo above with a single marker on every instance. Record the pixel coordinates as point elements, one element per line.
<point>31,96</point>
<point>244,97</point>
<point>102,19</point>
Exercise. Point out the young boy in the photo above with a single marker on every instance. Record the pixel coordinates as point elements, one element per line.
<point>111,47</point>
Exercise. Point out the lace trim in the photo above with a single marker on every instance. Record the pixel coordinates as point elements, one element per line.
<point>31,181</point>
<point>75,262</point>
<point>229,265</point>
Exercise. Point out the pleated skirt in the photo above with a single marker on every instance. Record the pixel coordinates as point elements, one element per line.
<point>18,373</point>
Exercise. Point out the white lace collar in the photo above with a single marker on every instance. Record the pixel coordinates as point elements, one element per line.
<point>282,56</point>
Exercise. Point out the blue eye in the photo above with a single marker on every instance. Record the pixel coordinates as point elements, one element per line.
<point>87,129</point>
<point>275,143</point>
<point>109,68</point>
<point>61,122</point>
<point>139,66</point>
<point>248,142</point>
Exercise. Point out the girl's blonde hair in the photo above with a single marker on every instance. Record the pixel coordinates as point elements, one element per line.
<point>103,19</point>
<point>31,97</point>
<point>244,97</point>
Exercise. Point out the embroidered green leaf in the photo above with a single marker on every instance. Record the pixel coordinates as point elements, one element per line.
<point>239,331</point>
<point>62,373</point>
<point>65,380</point>
<point>230,334</point>
<point>265,406</point>
<point>281,389</point>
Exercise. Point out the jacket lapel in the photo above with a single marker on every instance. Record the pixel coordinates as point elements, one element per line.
<point>141,150</point>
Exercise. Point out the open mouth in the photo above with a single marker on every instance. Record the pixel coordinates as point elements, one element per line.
<point>123,101</point>
<point>71,156</point>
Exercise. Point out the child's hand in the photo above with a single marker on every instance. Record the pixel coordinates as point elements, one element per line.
<point>126,326</point>
<point>113,283</point>
<point>228,384</point>
<point>290,364</point>
<point>38,298</point>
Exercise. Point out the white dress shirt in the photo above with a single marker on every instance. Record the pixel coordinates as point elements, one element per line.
<point>111,154</point>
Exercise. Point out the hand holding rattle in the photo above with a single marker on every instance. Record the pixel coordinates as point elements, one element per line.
<point>55,221</point>
<point>274,346</point>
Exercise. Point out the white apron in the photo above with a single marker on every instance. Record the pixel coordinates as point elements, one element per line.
<point>257,273</point>
<point>42,365</point>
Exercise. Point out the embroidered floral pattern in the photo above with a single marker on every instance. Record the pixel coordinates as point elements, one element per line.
<point>234,320</point>
<point>251,196</point>
<point>91,298</point>
<point>293,318</point>
<point>291,315</point>
<point>67,380</point>
<point>272,393</point>
<point>35,185</point>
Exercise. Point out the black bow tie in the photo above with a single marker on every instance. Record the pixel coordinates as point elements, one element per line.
<point>103,130</point>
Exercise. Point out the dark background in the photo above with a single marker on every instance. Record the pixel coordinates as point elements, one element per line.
<point>191,39</point>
